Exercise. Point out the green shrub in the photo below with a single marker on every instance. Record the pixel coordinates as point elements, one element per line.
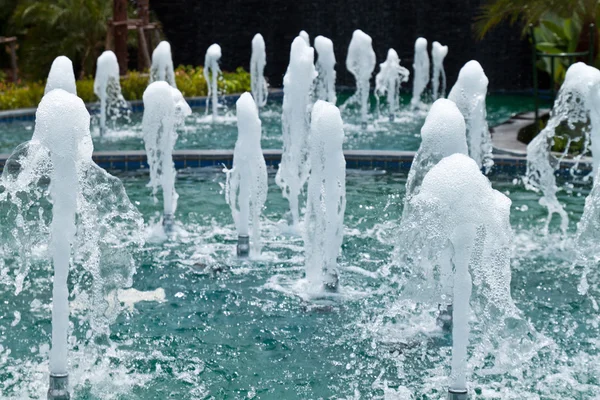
<point>190,81</point>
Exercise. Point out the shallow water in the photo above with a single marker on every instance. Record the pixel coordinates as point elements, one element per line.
<point>201,133</point>
<point>236,330</point>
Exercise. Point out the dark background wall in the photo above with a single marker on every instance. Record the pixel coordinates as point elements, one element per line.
<point>193,25</point>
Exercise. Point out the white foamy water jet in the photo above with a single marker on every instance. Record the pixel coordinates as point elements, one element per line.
<point>360,61</point>
<point>325,82</point>
<point>60,197</point>
<point>326,198</point>
<point>61,76</point>
<point>442,134</point>
<point>388,80</point>
<point>420,73</point>
<point>574,119</point>
<point>258,61</point>
<point>211,74</point>
<point>107,87</point>
<point>246,187</point>
<point>457,238</point>
<point>438,54</point>
<point>295,164</point>
<point>164,111</point>
<point>162,64</point>
<point>304,35</point>
<point>469,93</point>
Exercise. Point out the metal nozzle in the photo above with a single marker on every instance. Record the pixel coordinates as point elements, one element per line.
<point>458,394</point>
<point>59,387</point>
<point>243,246</point>
<point>168,221</point>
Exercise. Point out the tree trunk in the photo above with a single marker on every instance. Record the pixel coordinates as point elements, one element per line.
<point>120,33</point>
<point>144,16</point>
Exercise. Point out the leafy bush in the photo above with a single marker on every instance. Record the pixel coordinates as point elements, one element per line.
<point>190,81</point>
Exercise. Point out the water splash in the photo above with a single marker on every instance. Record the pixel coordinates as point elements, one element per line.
<point>325,82</point>
<point>108,89</point>
<point>162,64</point>
<point>388,81</point>
<point>326,198</point>
<point>258,61</point>
<point>469,93</point>
<point>457,237</point>
<point>211,74</point>
<point>61,76</point>
<point>360,61</point>
<point>438,54</point>
<point>164,110</point>
<point>421,73</point>
<point>573,119</point>
<point>246,187</point>
<point>442,135</point>
<point>92,230</point>
<point>295,164</point>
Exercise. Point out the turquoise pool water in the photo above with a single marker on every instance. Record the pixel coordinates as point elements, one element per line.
<point>244,330</point>
<point>201,133</point>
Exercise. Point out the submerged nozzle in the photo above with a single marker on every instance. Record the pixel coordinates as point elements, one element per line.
<point>243,246</point>
<point>168,222</point>
<point>332,283</point>
<point>458,394</point>
<point>59,387</point>
<point>444,318</point>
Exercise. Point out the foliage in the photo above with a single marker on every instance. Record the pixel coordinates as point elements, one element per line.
<point>190,81</point>
<point>560,26</point>
<point>48,28</point>
<point>556,35</point>
<point>493,12</point>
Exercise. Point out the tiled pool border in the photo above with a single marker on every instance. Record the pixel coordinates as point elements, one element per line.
<point>389,161</point>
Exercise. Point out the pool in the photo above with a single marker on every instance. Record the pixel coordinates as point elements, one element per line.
<point>201,133</point>
<point>243,330</point>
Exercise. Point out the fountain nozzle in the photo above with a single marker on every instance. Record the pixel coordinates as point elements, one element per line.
<point>243,246</point>
<point>168,221</point>
<point>392,117</point>
<point>364,125</point>
<point>458,394</point>
<point>59,387</point>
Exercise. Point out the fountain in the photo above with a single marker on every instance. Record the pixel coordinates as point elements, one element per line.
<point>326,198</point>
<point>164,110</point>
<point>246,187</point>
<point>469,94</point>
<point>573,119</point>
<point>258,60</point>
<point>61,76</point>
<point>457,234</point>
<point>211,74</point>
<point>438,54</point>
<point>421,73</point>
<point>442,135</point>
<point>89,209</point>
<point>325,82</point>
<point>361,63</point>
<point>295,164</point>
<point>108,88</point>
<point>388,81</point>
<point>304,35</point>
<point>162,64</point>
